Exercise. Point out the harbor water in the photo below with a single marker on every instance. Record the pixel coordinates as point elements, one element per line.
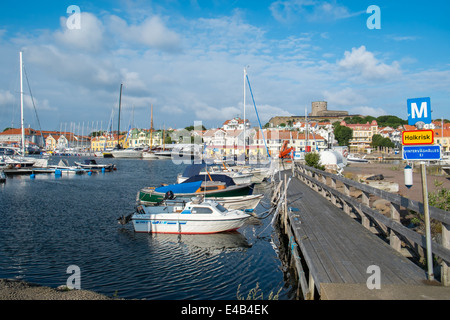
<point>50,223</point>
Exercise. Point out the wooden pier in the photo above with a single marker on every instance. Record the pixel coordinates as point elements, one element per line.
<point>338,244</point>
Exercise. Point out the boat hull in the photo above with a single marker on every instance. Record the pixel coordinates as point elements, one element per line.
<point>126,154</point>
<point>150,196</point>
<point>148,223</point>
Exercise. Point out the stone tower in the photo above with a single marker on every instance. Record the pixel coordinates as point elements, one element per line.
<point>318,108</point>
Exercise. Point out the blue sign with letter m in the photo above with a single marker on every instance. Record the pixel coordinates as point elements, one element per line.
<point>419,109</point>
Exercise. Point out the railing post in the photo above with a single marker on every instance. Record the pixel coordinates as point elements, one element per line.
<point>445,273</point>
<point>365,200</point>
<point>394,240</point>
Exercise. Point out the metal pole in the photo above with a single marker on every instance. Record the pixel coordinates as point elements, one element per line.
<point>427,221</point>
<point>21,105</point>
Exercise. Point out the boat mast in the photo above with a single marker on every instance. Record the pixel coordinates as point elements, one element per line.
<point>118,125</point>
<point>245,151</point>
<point>151,127</point>
<point>21,105</point>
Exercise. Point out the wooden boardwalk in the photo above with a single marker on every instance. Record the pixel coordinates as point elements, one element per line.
<point>334,249</point>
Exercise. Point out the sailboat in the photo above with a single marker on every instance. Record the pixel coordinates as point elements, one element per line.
<point>119,151</point>
<point>149,154</point>
<point>19,160</point>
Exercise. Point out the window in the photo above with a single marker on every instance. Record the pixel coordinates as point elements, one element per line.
<point>202,210</point>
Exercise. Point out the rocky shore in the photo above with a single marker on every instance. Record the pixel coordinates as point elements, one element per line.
<point>21,290</point>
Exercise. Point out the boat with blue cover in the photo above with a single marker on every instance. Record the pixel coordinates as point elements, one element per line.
<point>220,186</point>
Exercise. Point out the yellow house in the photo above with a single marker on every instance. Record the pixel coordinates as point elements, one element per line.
<point>107,142</point>
<point>362,135</point>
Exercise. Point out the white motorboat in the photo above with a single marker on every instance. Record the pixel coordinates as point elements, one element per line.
<point>247,203</point>
<point>91,164</point>
<point>64,167</point>
<point>127,153</point>
<point>149,155</point>
<point>196,217</point>
<point>356,159</point>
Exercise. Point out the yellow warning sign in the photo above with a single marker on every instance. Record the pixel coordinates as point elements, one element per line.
<point>418,137</point>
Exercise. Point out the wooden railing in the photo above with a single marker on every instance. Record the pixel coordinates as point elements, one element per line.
<point>399,236</point>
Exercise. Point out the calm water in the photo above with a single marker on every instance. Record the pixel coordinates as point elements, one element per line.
<point>49,223</point>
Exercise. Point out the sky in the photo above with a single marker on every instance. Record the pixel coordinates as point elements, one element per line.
<point>186,59</point>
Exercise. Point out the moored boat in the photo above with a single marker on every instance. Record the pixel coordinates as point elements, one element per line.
<point>192,188</point>
<point>246,202</point>
<point>196,217</point>
<point>127,153</point>
<point>356,159</point>
<point>91,164</point>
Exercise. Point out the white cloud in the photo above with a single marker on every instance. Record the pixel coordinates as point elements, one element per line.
<point>152,32</point>
<point>312,10</point>
<point>368,111</point>
<point>90,36</point>
<point>6,98</point>
<point>363,64</point>
<point>345,97</point>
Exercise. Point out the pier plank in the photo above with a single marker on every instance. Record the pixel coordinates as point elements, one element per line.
<point>337,248</point>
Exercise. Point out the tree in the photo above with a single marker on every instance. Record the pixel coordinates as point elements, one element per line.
<point>343,134</point>
<point>379,141</point>
<point>312,159</point>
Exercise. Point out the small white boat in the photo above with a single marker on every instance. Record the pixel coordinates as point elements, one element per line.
<point>127,153</point>
<point>91,164</point>
<point>149,155</point>
<point>356,159</point>
<point>247,203</point>
<point>64,167</point>
<point>2,177</point>
<point>196,217</point>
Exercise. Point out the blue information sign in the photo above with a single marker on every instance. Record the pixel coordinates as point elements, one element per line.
<point>425,152</point>
<point>419,109</point>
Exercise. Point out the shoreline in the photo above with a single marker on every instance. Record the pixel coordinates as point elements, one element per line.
<point>11,289</point>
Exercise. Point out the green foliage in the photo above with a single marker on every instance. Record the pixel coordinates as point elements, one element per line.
<point>256,294</point>
<point>190,128</point>
<point>312,159</point>
<point>440,198</point>
<point>379,141</point>
<point>383,121</point>
<point>343,134</point>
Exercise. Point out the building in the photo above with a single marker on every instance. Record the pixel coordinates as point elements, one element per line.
<point>144,138</point>
<point>320,109</point>
<point>362,135</point>
<point>107,142</point>
<point>442,137</point>
<point>236,124</point>
<point>274,140</point>
<point>13,136</point>
<point>319,112</point>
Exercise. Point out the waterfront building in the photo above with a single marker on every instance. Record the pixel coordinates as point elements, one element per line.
<point>362,135</point>
<point>236,124</point>
<point>107,142</point>
<point>13,136</point>
<point>442,137</point>
<point>144,138</point>
<point>298,140</point>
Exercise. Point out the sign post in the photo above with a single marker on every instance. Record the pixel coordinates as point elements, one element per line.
<point>418,146</point>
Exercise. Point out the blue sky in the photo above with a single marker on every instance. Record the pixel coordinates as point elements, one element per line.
<point>186,58</point>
